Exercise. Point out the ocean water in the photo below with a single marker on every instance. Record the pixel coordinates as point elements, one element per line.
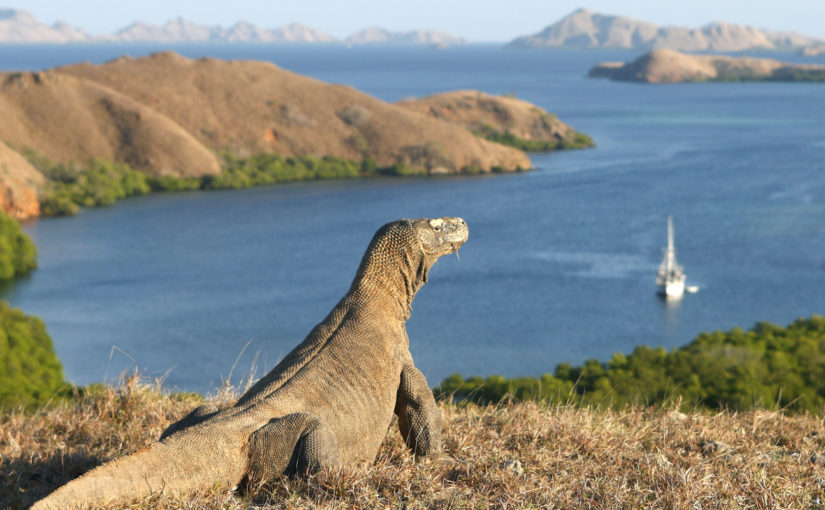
<point>196,288</point>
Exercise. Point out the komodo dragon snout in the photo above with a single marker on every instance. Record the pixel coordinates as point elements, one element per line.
<point>328,403</point>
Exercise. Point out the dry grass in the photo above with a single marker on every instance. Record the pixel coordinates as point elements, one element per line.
<point>571,458</point>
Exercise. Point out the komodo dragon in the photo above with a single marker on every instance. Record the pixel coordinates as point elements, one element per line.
<point>328,403</point>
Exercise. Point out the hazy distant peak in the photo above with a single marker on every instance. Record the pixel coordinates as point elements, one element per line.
<point>379,35</point>
<point>369,35</point>
<point>587,29</point>
<point>298,32</point>
<point>175,30</point>
<point>17,26</point>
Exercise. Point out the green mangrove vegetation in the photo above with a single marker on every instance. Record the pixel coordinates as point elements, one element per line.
<point>767,367</point>
<point>30,373</point>
<point>18,254</point>
<point>103,182</point>
<point>488,132</point>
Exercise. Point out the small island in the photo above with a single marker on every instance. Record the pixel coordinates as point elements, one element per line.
<point>668,66</point>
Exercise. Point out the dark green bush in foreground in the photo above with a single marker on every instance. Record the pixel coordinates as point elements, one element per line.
<point>768,367</point>
<point>18,254</point>
<point>30,372</point>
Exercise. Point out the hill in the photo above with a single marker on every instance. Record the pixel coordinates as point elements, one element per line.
<point>518,455</point>
<point>174,118</point>
<point>501,119</point>
<point>248,107</point>
<point>667,66</point>
<point>67,118</point>
<point>166,115</point>
<point>588,29</point>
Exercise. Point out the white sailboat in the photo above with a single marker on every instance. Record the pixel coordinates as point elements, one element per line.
<point>671,278</point>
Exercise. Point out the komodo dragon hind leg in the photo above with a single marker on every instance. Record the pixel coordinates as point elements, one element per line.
<point>194,417</point>
<point>418,415</point>
<point>298,443</point>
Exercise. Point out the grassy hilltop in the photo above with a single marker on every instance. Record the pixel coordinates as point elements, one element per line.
<point>516,455</point>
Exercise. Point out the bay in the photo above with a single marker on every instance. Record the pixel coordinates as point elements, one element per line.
<point>561,261</point>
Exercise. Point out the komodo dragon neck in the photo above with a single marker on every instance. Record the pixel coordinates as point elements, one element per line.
<point>392,270</point>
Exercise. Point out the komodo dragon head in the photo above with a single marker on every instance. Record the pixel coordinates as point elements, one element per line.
<point>401,253</point>
<point>440,236</point>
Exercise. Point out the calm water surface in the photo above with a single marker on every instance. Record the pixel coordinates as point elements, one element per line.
<point>560,264</point>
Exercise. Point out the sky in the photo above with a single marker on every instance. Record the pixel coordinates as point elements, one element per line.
<point>476,20</point>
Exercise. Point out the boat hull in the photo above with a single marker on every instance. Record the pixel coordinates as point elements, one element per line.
<point>672,289</point>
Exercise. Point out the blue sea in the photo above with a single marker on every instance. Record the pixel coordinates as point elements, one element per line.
<point>198,288</point>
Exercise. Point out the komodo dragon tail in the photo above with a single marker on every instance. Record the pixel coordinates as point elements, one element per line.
<point>170,466</point>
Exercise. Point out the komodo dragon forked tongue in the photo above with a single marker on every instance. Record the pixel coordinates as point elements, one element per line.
<point>328,403</point>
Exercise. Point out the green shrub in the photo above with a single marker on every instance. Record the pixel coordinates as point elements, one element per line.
<point>102,183</point>
<point>30,372</point>
<point>471,169</point>
<point>402,170</point>
<point>18,254</point>
<point>369,167</point>
<point>171,183</point>
<point>768,367</point>
<point>488,132</point>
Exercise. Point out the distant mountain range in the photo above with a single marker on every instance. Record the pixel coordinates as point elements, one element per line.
<point>581,29</point>
<point>17,26</point>
<point>182,30</point>
<point>588,29</point>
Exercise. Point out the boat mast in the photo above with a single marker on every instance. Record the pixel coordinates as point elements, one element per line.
<point>670,267</point>
<point>671,248</point>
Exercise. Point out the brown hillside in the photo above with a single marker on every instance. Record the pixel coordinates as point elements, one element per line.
<point>475,110</point>
<point>20,183</point>
<point>73,119</point>
<point>248,107</point>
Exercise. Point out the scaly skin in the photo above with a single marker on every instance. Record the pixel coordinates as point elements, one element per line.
<point>328,403</point>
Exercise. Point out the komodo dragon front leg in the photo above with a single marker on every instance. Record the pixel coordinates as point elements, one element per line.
<point>418,415</point>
